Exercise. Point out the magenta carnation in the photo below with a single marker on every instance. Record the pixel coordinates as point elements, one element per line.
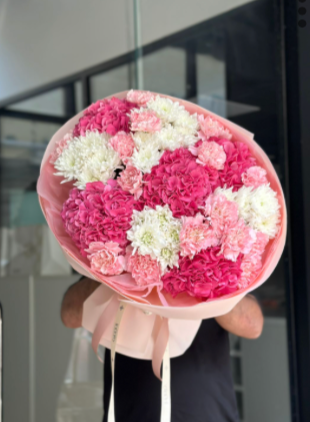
<point>109,116</point>
<point>207,275</point>
<point>238,160</point>
<point>100,213</point>
<point>177,181</point>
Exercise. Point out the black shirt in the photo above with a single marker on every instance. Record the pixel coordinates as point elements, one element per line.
<point>201,383</point>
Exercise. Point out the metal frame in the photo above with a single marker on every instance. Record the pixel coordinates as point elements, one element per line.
<point>293,47</point>
<point>298,176</point>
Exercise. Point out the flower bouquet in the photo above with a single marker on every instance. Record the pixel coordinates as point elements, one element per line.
<point>177,211</point>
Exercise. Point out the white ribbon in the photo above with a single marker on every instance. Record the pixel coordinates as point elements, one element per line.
<point>165,389</point>
<point>111,415</point>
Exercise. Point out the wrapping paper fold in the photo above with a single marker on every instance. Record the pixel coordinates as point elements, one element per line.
<point>139,329</point>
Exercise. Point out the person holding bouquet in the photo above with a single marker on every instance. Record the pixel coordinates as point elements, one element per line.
<point>202,386</point>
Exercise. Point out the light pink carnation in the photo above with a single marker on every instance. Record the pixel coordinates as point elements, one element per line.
<point>221,213</point>
<point>60,146</point>
<point>130,180</point>
<point>140,97</point>
<point>145,121</point>
<point>196,235</point>
<point>105,258</point>
<point>254,176</point>
<point>237,239</point>
<point>144,269</point>
<point>252,262</point>
<point>210,127</point>
<point>210,154</point>
<point>123,144</point>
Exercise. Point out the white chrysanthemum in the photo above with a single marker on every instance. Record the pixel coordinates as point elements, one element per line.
<point>259,208</point>
<point>87,159</point>
<point>146,157</point>
<point>169,257</point>
<point>156,233</point>
<point>228,193</point>
<point>171,138</point>
<point>144,238</point>
<point>142,139</point>
<point>168,111</point>
<point>187,123</point>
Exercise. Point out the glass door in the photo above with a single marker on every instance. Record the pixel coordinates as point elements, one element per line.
<point>231,64</point>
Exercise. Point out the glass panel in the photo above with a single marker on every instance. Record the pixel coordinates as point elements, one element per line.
<point>164,71</point>
<point>56,377</point>
<point>111,82</point>
<point>78,96</point>
<point>49,103</point>
<point>231,65</point>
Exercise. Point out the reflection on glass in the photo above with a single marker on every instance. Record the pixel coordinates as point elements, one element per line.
<point>50,103</point>
<point>78,96</point>
<point>111,82</point>
<point>27,244</point>
<point>164,71</point>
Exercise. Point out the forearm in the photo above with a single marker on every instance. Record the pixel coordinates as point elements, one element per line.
<point>245,319</point>
<point>73,300</point>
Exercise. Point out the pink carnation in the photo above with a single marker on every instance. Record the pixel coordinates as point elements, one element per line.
<point>109,116</point>
<point>254,176</point>
<point>252,262</point>
<point>221,213</point>
<point>210,127</point>
<point>145,121</point>
<point>207,275</point>
<point>60,146</point>
<point>123,144</point>
<point>130,180</point>
<point>195,235</point>
<point>237,239</point>
<point>105,258</point>
<point>177,181</point>
<point>144,269</point>
<point>210,154</point>
<point>100,213</point>
<point>140,97</point>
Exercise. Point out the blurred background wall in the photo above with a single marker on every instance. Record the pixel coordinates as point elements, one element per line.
<point>42,40</point>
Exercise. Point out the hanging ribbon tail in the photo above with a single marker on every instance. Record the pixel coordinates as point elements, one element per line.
<point>160,346</point>
<point>103,322</point>
<point>117,323</point>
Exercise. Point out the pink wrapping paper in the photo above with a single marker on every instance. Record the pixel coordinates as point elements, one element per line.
<point>132,342</point>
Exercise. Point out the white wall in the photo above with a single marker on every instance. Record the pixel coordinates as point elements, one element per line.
<point>44,40</point>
